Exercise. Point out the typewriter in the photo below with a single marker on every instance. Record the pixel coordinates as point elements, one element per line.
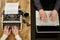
<point>12,16</point>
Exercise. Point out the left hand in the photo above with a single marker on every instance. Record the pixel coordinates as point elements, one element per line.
<point>53,15</point>
<point>6,30</point>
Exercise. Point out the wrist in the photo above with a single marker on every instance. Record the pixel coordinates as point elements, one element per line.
<point>15,34</point>
<point>18,37</point>
<point>55,10</point>
<point>41,10</point>
<point>4,37</point>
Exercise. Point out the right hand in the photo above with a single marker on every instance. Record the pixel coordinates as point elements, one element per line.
<point>15,30</point>
<point>43,16</point>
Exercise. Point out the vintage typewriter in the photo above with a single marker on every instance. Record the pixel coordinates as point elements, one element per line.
<point>12,16</point>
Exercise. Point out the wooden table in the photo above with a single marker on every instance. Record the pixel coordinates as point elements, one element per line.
<point>26,31</point>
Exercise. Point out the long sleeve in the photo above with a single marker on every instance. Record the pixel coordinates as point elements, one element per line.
<point>18,37</point>
<point>57,5</point>
<point>37,4</point>
<point>4,37</point>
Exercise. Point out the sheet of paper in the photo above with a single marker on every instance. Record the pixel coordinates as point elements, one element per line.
<point>11,8</point>
<point>48,21</point>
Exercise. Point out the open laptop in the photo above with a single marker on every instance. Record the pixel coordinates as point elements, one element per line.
<point>48,26</point>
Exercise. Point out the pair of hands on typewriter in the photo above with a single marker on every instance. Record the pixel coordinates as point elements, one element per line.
<point>43,16</point>
<point>14,30</point>
<point>6,33</point>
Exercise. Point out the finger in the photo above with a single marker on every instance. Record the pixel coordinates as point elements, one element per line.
<point>52,19</point>
<point>5,27</point>
<point>45,19</point>
<point>9,32</point>
<point>15,27</point>
<point>8,27</point>
<point>42,19</point>
<point>12,27</point>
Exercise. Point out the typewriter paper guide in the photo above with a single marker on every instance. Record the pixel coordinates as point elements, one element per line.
<point>48,22</point>
<point>11,8</point>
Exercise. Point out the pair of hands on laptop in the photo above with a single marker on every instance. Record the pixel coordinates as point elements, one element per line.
<point>14,30</point>
<point>43,16</point>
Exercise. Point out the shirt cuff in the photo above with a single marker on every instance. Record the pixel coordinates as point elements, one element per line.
<point>18,37</point>
<point>4,37</point>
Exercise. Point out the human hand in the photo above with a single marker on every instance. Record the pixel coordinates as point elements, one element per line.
<point>53,15</point>
<point>43,16</point>
<point>6,30</point>
<point>15,30</point>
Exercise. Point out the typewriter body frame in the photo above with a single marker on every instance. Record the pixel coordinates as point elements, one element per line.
<point>10,20</point>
